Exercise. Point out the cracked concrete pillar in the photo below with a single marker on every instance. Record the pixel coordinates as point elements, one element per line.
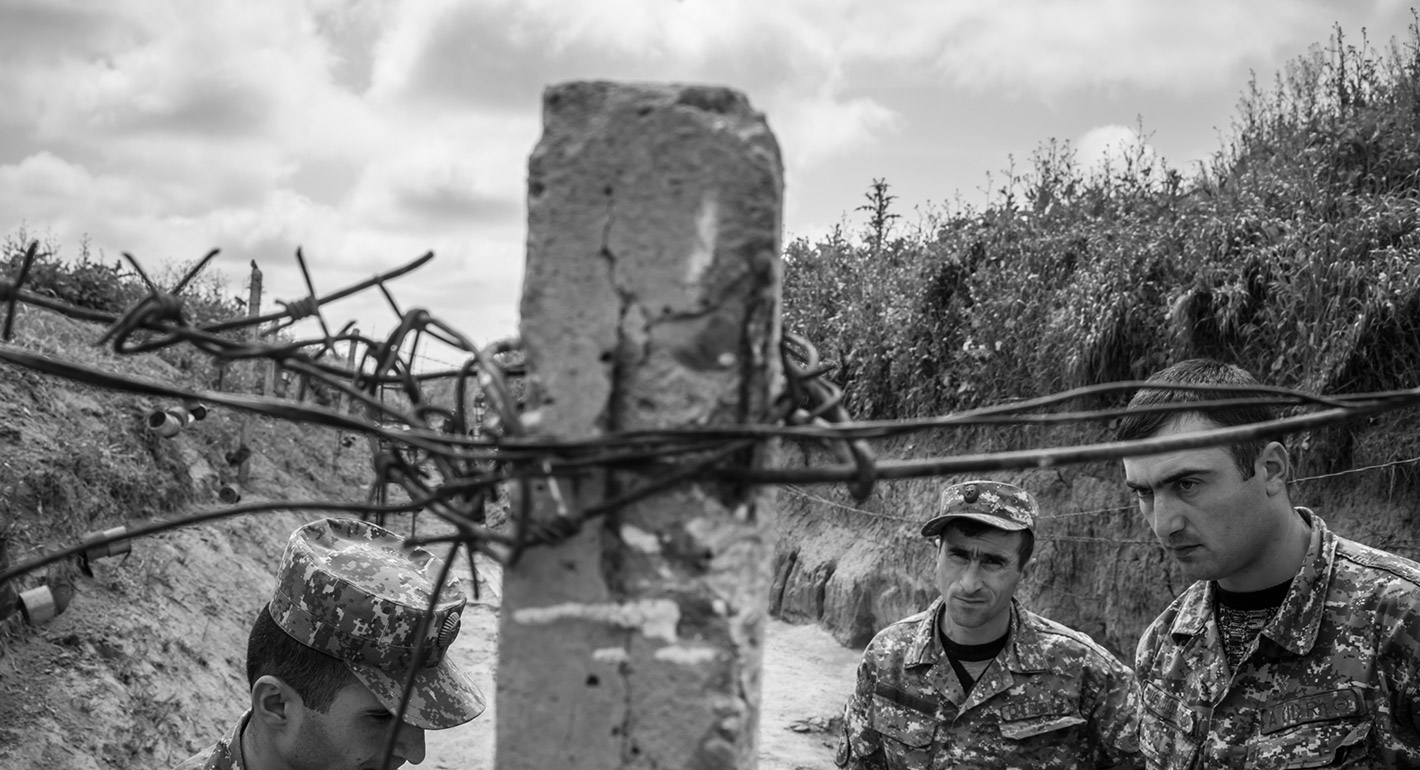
<point>651,300</point>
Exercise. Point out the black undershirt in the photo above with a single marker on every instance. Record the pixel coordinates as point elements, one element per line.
<point>1243,614</point>
<point>971,653</point>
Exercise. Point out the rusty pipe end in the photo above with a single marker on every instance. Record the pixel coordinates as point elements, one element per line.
<point>164,424</point>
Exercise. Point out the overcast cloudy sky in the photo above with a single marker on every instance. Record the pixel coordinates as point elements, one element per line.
<point>371,131</point>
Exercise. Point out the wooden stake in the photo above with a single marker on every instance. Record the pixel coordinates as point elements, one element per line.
<point>253,310</point>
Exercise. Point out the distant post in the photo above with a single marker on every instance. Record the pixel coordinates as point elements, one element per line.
<point>268,367</point>
<point>344,398</point>
<point>343,401</point>
<point>651,300</point>
<point>253,310</point>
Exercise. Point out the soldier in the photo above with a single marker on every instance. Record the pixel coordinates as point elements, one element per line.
<point>1295,647</point>
<point>977,681</point>
<point>328,657</point>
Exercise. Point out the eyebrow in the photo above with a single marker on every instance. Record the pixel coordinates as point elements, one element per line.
<point>1171,478</point>
<point>957,550</point>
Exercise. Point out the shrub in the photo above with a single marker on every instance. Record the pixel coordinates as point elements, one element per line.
<point>1293,251</point>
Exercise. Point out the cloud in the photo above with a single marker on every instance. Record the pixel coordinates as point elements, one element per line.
<point>57,193</point>
<point>370,131</point>
<point>1048,49</point>
<point>45,176</point>
<point>804,62</point>
<point>498,56</point>
<point>457,180</point>
<point>811,131</point>
<point>51,30</point>
<point>1114,148</point>
<point>482,47</point>
<point>351,29</point>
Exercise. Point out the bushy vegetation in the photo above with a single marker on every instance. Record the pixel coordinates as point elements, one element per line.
<point>1293,251</point>
<point>95,282</point>
<point>107,285</point>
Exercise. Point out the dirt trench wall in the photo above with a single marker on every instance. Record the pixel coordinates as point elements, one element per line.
<point>855,567</point>
<point>146,663</point>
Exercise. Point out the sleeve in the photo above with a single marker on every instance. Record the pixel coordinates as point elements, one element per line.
<point>1114,716</point>
<point>860,748</point>
<point>1400,661</point>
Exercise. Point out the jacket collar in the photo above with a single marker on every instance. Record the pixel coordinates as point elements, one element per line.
<point>1023,651</point>
<point>925,648</point>
<point>1295,626</point>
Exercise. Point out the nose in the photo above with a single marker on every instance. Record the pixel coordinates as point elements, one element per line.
<point>971,578</point>
<point>411,743</point>
<point>1167,519</point>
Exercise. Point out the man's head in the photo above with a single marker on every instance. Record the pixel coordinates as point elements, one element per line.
<point>309,710</point>
<point>985,534</point>
<point>1216,510</point>
<point>329,655</point>
<point>1197,371</point>
<point>313,675</point>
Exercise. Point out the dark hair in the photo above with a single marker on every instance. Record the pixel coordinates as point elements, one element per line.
<point>1199,371</point>
<point>315,676</point>
<point>974,528</point>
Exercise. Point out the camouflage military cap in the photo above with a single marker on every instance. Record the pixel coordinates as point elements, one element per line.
<point>353,590</point>
<point>994,503</point>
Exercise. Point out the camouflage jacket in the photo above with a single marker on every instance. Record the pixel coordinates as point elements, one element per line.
<point>1330,681</point>
<point>1053,698</point>
<point>225,754</point>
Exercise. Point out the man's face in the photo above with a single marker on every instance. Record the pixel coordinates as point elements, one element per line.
<point>1210,519</point>
<point>977,576</point>
<point>351,735</point>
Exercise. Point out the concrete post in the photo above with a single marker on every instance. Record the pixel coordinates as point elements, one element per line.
<point>651,300</point>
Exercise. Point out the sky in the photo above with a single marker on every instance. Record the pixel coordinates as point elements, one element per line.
<point>368,132</point>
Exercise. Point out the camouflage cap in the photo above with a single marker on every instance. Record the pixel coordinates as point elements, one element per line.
<point>352,590</point>
<point>994,503</point>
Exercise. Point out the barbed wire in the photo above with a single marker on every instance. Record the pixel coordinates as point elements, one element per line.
<point>1092,512</point>
<point>472,460</point>
<point>476,448</point>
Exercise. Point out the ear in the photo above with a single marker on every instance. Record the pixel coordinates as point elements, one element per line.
<point>1027,570</point>
<point>274,702</point>
<point>1275,467</point>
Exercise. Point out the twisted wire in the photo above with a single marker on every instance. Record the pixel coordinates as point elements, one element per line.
<point>474,456</point>
<point>477,448</point>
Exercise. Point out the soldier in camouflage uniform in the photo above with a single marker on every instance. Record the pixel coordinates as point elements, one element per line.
<point>329,655</point>
<point>977,681</point>
<point>1295,647</point>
